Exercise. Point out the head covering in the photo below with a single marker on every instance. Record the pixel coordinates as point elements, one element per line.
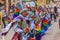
<point>23,10</point>
<point>32,4</point>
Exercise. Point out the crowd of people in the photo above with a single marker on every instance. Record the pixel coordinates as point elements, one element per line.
<point>31,23</point>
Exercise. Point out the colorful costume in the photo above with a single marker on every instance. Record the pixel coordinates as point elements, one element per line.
<point>16,13</point>
<point>38,29</point>
<point>31,35</point>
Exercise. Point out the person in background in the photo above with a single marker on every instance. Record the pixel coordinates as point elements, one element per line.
<point>58,10</point>
<point>55,11</point>
<point>32,8</point>
<point>53,15</point>
<point>59,22</point>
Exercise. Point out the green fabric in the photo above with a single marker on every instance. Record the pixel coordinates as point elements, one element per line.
<point>23,26</point>
<point>45,24</point>
<point>16,13</point>
<point>19,23</point>
<point>23,0</point>
<point>37,32</point>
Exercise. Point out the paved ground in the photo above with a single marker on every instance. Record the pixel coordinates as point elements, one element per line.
<point>53,32</point>
<point>9,35</point>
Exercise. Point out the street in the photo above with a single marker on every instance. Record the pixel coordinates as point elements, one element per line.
<point>53,33</point>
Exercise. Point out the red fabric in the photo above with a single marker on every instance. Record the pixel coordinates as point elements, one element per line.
<point>17,10</point>
<point>15,36</point>
<point>9,19</point>
<point>30,38</point>
<point>27,7</point>
<point>44,20</point>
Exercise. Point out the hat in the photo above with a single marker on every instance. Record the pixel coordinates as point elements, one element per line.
<point>32,4</point>
<point>23,10</point>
